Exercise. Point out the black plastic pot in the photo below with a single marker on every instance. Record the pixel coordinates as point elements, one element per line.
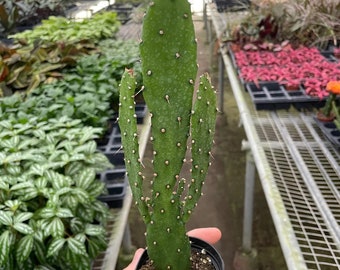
<point>196,245</point>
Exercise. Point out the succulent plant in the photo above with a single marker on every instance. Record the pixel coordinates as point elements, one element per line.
<point>333,88</point>
<point>168,56</point>
<point>336,112</point>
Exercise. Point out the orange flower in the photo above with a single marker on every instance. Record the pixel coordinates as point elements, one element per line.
<point>333,87</point>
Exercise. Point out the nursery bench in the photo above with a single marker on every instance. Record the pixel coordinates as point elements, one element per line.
<point>299,171</point>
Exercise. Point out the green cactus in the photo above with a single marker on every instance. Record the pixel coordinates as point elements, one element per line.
<point>336,112</point>
<point>168,53</point>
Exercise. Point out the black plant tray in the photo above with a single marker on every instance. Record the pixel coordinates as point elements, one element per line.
<point>123,11</point>
<point>273,96</point>
<point>113,136</point>
<point>231,5</point>
<point>116,184</point>
<point>115,156</point>
<point>115,179</point>
<point>329,55</point>
<point>113,150</point>
<point>330,131</point>
<point>110,140</point>
<point>141,110</point>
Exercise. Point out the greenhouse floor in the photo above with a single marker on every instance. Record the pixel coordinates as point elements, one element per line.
<point>222,203</point>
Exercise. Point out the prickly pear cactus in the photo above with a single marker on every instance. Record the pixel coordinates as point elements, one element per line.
<point>168,54</point>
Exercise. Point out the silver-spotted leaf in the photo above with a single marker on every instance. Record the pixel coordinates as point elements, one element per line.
<point>64,213</point>
<point>23,228</point>
<point>94,230</point>
<point>6,218</point>
<point>21,217</point>
<point>76,246</point>
<point>85,178</point>
<point>6,239</point>
<point>55,246</point>
<point>24,248</point>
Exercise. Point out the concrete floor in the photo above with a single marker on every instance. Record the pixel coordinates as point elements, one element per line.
<point>222,203</point>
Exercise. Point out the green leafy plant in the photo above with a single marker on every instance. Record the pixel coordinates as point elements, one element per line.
<point>88,91</point>
<point>106,68</point>
<point>46,50</point>
<point>86,98</point>
<point>74,96</point>
<point>168,55</point>
<point>50,217</point>
<point>121,54</point>
<point>88,108</point>
<point>100,26</point>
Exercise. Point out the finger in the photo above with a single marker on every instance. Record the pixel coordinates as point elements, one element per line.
<point>210,235</point>
<point>135,260</point>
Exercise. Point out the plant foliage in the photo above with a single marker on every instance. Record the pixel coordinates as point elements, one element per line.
<point>88,91</point>
<point>27,67</point>
<point>50,217</point>
<point>100,26</point>
<point>27,13</point>
<point>307,22</point>
<point>46,50</point>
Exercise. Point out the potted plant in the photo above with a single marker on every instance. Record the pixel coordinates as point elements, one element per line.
<point>336,112</point>
<point>168,56</point>
<point>326,114</point>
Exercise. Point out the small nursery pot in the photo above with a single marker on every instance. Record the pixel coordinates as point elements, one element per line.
<point>196,245</point>
<point>324,118</point>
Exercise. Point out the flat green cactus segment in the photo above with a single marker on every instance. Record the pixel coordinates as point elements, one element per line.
<point>203,122</point>
<point>128,125</point>
<point>168,244</point>
<point>168,54</point>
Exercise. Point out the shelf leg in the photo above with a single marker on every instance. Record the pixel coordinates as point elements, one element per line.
<point>246,256</point>
<point>126,241</point>
<point>221,71</point>
<point>207,24</point>
<point>205,16</point>
<point>248,203</point>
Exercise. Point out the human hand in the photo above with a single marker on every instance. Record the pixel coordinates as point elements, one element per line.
<point>210,235</point>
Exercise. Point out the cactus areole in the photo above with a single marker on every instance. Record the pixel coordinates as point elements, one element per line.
<point>168,55</point>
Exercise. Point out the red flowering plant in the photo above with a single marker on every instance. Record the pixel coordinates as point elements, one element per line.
<point>289,67</point>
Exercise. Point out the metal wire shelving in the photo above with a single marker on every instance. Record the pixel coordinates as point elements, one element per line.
<point>299,170</point>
